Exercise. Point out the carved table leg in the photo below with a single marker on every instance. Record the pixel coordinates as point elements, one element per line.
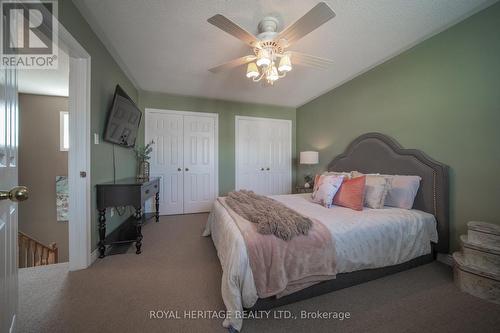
<point>138,218</point>
<point>157,205</point>
<point>102,232</point>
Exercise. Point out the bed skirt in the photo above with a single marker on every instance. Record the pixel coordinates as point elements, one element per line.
<point>343,280</point>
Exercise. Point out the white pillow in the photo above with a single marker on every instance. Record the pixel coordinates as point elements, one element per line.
<point>326,189</point>
<point>402,191</point>
<point>376,189</point>
<point>347,175</point>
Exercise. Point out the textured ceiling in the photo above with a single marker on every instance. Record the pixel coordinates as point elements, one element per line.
<point>168,46</point>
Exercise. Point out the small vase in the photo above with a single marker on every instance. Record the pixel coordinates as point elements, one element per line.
<point>143,173</point>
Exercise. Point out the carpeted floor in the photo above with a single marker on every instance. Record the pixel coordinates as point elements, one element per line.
<point>179,270</point>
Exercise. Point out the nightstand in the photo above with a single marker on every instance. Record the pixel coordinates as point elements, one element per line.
<point>302,189</point>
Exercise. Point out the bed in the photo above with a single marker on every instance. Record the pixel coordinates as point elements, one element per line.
<point>370,244</point>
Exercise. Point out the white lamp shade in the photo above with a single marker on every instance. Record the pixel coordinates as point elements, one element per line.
<point>285,64</point>
<point>273,75</point>
<point>252,70</point>
<point>309,157</point>
<point>263,58</point>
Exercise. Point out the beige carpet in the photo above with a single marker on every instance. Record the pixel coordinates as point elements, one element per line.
<point>179,270</point>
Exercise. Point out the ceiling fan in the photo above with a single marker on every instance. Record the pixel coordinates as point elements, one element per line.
<point>270,59</point>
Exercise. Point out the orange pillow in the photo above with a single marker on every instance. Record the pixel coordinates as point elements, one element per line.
<point>351,193</point>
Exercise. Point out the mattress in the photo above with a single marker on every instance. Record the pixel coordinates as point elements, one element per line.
<point>371,238</point>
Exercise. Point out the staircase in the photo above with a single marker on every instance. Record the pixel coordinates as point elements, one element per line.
<point>477,265</point>
<point>34,253</point>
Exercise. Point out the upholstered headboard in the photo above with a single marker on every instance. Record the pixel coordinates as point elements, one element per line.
<point>378,153</point>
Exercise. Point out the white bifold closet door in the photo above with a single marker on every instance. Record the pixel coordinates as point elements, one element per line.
<point>184,157</point>
<point>264,155</point>
<point>199,163</point>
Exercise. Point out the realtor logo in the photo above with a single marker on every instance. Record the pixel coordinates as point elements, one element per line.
<point>29,34</point>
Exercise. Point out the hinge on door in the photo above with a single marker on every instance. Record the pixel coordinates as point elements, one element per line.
<point>83,174</point>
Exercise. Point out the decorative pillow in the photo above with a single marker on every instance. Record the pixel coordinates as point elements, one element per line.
<point>355,174</point>
<point>347,175</point>
<point>351,193</point>
<point>316,182</point>
<point>402,191</point>
<point>327,187</point>
<point>376,190</point>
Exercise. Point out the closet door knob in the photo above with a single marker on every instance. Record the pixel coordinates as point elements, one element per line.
<point>261,169</point>
<point>268,169</point>
<point>187,169</point>
<point>179,169</point>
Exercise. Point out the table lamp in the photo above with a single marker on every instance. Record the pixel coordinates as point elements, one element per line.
<point>308,158</point>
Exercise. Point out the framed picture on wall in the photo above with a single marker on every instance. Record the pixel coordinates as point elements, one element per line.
<point>62,198</point>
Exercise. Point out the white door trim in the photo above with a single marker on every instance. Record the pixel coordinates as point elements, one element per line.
<point>80,219</point>
<point>79,159</point>
<point>236,155</point>
<point>149,111</point>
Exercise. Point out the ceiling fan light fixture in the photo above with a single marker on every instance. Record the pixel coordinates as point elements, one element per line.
<point>273,74</point>
<point>285,64</point>
<point>252,70</point>
<point>270,45</point>
<point>264,58</point>
<point>263,62</point>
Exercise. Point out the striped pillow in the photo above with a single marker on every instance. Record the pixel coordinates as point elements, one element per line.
<point>351,193</point>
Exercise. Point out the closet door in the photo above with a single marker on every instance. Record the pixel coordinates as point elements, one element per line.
<point>199,163</point>
<point>278,166</point>
<point>166,130</point>
<point>249,156</point>
<point>263,155</point>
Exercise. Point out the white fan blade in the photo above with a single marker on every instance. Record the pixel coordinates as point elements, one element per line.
<point>233,63</point>
<point>223,23</point>
<point>303,59</point>
<point>314,18</point>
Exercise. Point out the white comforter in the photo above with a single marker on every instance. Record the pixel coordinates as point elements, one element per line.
<point>367,239</point>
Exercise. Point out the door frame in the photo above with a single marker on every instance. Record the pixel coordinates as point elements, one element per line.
<point>236,133</point>
<point>149,111</point>
<point>79,158</point>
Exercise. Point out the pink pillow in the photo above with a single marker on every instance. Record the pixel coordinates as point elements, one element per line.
<point>351,193</point>
<point>327,187</point>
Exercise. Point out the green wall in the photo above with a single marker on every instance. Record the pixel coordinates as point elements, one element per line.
<point>105,75</point>
<point>443,97</point>
<point>226,110</point>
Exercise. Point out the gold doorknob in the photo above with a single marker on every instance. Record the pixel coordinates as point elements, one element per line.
<point>16,194</point>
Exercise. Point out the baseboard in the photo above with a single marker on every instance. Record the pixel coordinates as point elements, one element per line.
<point>93,256</point>
<point>445,258</point>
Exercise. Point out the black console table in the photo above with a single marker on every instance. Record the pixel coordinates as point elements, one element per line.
<point>126,192</point>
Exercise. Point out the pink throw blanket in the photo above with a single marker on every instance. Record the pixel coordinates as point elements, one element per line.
<point>282,267</point>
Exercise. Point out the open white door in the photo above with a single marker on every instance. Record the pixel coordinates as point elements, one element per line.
<point>9,193</point>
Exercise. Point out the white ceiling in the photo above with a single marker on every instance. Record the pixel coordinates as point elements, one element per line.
<point>168,46</point>
<point>53,82</point>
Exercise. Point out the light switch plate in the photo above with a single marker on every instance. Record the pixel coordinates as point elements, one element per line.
<point>96,138</point>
